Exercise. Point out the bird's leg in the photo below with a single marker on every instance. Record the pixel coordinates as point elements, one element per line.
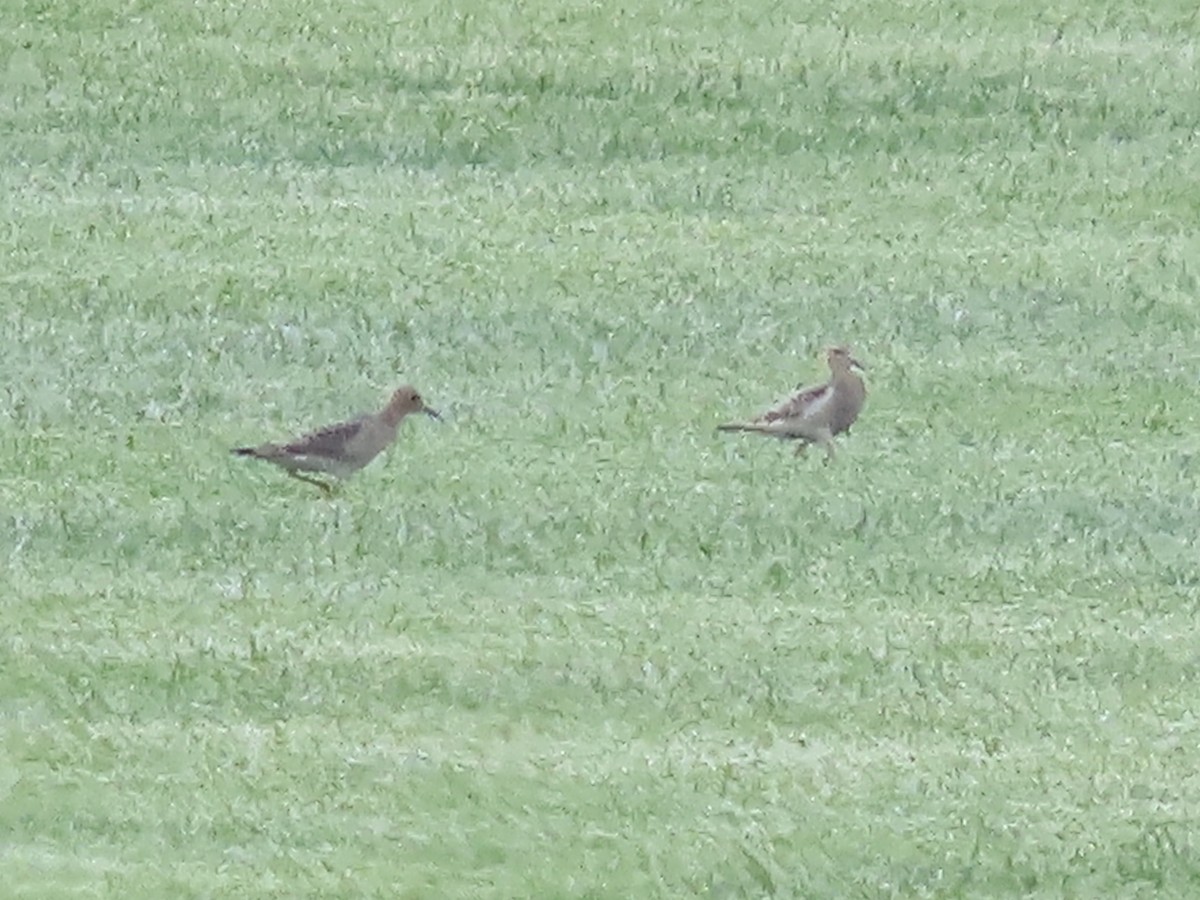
<point>801,447</point>
<point>825,439</point>
<point>325,488</point>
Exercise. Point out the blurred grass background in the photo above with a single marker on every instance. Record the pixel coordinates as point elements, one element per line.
<point>572,643</point>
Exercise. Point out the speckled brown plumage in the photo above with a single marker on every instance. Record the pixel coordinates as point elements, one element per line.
<point>341,450</point>
<point>813,415</point>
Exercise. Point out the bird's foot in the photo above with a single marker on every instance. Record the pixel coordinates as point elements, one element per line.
<point>326,488</point>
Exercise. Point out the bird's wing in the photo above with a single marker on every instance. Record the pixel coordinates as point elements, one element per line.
<point>802,403</point>
<point>330,441</point>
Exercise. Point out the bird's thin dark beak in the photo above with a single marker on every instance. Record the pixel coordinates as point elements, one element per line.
<point>855,362</point>
<point>433,413</point>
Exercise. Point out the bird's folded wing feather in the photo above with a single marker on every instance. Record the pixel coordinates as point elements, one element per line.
<point>799,404</point>
<point>330,441</point>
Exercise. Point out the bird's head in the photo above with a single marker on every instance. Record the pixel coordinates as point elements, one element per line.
<point>841,360</point>
<point>407,400</point>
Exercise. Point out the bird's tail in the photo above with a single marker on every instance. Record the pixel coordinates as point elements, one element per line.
<point>739,426</point>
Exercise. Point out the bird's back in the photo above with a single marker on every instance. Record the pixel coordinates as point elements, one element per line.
<point>343,448</point>
<point>331,441</point>
<point>803,404</point>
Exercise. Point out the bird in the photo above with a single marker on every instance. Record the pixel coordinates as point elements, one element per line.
<point>341,450</point>
<point>814,414</point>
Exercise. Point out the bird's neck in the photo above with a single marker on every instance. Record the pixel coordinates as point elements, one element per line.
<point>392,416</point>
<point>847,378</point>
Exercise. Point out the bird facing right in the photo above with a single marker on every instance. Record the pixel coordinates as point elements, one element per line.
<point>813,415</point>
<point>341,450</point>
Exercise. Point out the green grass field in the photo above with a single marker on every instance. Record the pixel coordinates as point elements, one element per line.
<point>571,642</point>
